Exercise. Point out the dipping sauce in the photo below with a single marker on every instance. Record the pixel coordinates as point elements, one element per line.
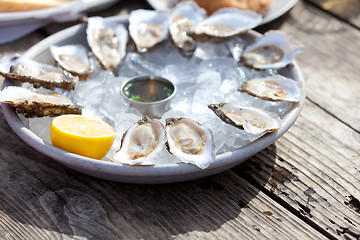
<point>148,89</point>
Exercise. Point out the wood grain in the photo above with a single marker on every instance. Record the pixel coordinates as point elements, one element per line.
<point>348,10</point>
<point>329,61</point>
<point>316,172</point>
<point>41,199</point>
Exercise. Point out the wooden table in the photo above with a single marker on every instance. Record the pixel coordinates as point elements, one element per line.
<point>304,186</point>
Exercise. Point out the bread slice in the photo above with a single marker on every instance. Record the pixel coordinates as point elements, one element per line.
<point>28,5</point>
<point>260,6</point>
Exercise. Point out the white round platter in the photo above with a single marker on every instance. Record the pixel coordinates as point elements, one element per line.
<point>165,173</point>
<point>277,9</point>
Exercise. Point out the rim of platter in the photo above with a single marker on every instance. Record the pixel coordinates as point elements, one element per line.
<point>164,173</point>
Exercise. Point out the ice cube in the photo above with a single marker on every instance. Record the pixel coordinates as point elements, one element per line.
<point>236,47</point>
<point>41,127</point>
<point>180,74</point>
<point>209,50</point>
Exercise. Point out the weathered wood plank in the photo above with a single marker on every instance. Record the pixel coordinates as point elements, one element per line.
<point>41,199</point>
<point>329,60</point>
<point>348,10</point>
<point>316,172</point>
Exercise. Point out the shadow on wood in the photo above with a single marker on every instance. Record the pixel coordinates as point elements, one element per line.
<point>42,194</point>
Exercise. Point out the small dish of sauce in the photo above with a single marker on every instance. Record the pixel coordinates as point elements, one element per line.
<point>151,95</point>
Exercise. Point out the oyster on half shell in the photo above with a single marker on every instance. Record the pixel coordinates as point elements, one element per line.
<point>226,22</point>
<point>40,75</point>
<point>185,15</point>
<point>32,104</point>
<point>251,119</point>
<point>273,50</point>
<point>142,143</point>
<point>107,41</point>
<point>148,28</point>
<point>74,59</point>
<point>276,88</point>
<point>190,142</point>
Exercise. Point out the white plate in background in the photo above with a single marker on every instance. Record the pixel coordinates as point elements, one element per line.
<point>277,8</point>
<point>14,25</point>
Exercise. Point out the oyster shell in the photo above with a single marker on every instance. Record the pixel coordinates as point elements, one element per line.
<point>226,22</point>
<point>277,88</point>
<point>141,143</point>
<point>190,142</point>
<point>40,75</point>
<point>273,50</point>
<point>74,59</point>
<point>148,28</point>
<point>251,119</point>
<point>7,61</point>
<point>107,41</point>
<point>32,104</point>
<point>181,19</point>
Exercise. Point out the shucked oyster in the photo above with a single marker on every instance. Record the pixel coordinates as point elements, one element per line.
<point>181,19</point>
<point>226,22</point>
<point>141,143</point>
<point>190,142</point>
<point>251,119</point>
<point>277,88</point>
<point>273,50</point>
<point>148,28</point>
<point>107,41</point>
<point>40,75</point>
<point>33,104</point>
<point>74,59</point>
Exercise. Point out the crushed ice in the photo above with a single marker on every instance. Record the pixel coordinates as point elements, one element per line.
<point>210,76</point>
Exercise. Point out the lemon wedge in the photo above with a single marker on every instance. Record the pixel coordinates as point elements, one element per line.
<point>82,135</point>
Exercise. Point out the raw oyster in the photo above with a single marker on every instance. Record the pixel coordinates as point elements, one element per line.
<point>226,22</point>
<point>273,50</point>
<point>148,28</point>
<point>107,41</point>
<point>142,143</point>
<point>251,119</point>
<point>181,19</point>
<point>40,75</point>
<point>33,104</point>
<point>74,59</point>
<point>190,142</point>
<point>277,88</point>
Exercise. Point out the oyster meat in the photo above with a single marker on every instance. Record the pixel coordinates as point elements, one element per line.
<point>276,88</point>
<point>251,119</point>
<point>141,143</point>
<point>107,41</point>
<point>40,75</point>
<point>226,22</point>
<point>74,59</point>
<point>273,50</point>
<point>190,142</point>
<point>181,19</point>
<point>32,104</point>
<point>148,28</point>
